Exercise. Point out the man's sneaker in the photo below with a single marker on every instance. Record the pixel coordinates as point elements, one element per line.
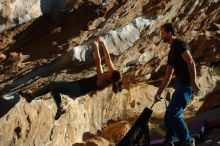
<point>27,96</point>
<point>192,143</point>
<point>59,113</point>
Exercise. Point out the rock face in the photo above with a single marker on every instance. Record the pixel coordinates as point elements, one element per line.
<point>119,40</point>
<point>48,48</point>
<point>15,12</point>
<point>86,114</point>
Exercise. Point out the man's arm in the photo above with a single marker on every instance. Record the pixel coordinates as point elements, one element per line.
<point>107,56</point>
<point>98,63</point>
<point>192,71</point>
<point>165,82</point>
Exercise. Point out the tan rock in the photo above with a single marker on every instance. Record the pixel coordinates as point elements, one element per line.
<point>2,57</point>
<point>116,131</point>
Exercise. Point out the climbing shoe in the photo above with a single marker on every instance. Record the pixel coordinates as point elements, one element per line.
<point>59,113</point>
<point>191,143</point>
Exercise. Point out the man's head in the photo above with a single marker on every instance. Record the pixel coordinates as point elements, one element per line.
<point>116,81</point>
<point>115,76</point>
<point>167,31</point>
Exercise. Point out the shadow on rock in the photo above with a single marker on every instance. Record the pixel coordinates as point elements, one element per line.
<point>7,103</point>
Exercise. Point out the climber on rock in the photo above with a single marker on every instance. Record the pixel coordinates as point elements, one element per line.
<point>76,88</point>
<point>181,62</point>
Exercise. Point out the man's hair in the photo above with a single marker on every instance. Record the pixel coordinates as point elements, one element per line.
<point>116,76</point>
<point>169,27</point>
<point>117,85</point>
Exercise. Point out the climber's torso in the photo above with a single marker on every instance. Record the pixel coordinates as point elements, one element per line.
<point>93,83</point>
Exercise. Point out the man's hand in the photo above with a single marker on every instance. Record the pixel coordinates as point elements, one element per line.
<point>195,89</point>
<point>95,43</point>
<point>165,82</point>
<point>157,97</point>
<point>97,40</point>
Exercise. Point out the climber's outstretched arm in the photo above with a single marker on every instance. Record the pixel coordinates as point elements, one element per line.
<point>106,56</point>
<point>98,63</point>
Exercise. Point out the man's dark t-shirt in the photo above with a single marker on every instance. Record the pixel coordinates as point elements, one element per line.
<point>175,59</point>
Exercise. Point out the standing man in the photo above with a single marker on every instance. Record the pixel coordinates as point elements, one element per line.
<point>181,62</point>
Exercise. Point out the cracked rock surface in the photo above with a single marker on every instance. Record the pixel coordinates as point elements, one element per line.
<point>39,44</point>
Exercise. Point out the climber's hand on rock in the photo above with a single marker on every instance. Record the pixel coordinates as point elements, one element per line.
<point>97,40</point>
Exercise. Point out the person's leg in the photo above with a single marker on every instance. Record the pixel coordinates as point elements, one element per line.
<point>180,99</point>
<point>66,87</point>
<point>181,129</point>
<point>29,96</point>
<point>170,134</point>
<point>41,91</point>
<point>57,98</point>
